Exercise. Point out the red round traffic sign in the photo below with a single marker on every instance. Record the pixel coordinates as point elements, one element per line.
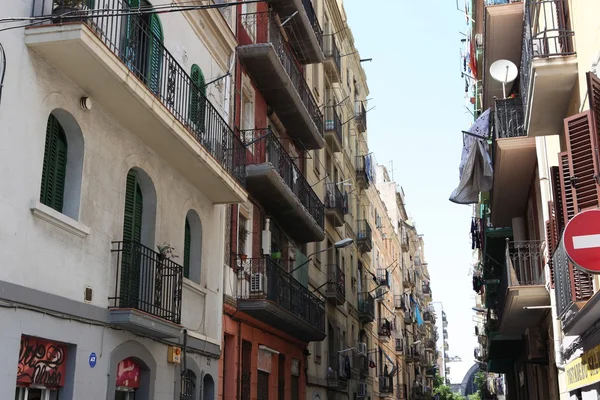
<point>581,240</point>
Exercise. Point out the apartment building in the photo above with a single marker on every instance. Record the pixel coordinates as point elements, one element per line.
<point>115,184</point>
<point>539,305</point>
<point>441,337</point>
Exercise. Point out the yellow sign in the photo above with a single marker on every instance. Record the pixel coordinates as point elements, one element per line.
<point>584,370</point>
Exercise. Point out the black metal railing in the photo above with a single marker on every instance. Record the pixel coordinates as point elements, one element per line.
<point>364,169</point>
<point>267,280</point>
<point>127,35</point>
<point>386,384</point>
<point>337,373</point>
<point>336,286</point>
<point>509,119</point>
<point>399,302</point>
<point>399,345</point>
<point>333,123</point>
<point>430,344</point>
<point>264,147</point>
<point>334,200</point>
<point>546,34</point>
<point>384,328</point>
<point>365,234</point>
<point>361,115</point>
<point>331,51</point>
<point>366,306</point>
<point>426,289</point>
<point>145,280</point>
<point>314,21</point>
<point>288,60</point>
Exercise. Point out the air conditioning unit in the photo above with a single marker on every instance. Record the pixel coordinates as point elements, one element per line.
<point>362,389</point>
<point>257,282</point>
<point>361,348</point>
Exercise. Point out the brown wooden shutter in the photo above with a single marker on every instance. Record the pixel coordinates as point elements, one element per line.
<point>568,207</point>
<point>557,195</point>
<point>580,135</point>
<point>593,83</point>
<point>551,239</point>
<point>582,283</point>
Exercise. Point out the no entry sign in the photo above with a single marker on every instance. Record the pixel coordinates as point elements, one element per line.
<point>581,240</point>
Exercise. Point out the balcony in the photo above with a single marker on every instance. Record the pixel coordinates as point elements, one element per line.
<point>514,158</point>
<point>336,286</point>
<point>364,236</point>
<point>333,60</point>
<point>386,385</point>
<point>522,285</point>
<point>408,317</point>
<point>399,346</point>
<point>278,184</point>
<point>360,116</point>
<point>336,372</point>
<point>335,204</point>
<point>384,330</point>
<point>157,101</point>
<point>333,130</point>
<point>430,345</point>
<point>272,66</point>
<point>148,290</point>
<point>399,303</point>
<point>426,290</point>
<point>306,35</point>
<point>502,41</point>
<point>548,66</point>
<point>428,318</point>
<point>360,363</point>
<point>271,295</point>
<point>366,307</point>
<point>408,280</point>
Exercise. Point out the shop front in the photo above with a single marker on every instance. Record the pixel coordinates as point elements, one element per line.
<point>583,375</point>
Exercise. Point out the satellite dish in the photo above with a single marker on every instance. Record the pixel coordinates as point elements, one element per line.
<point>504,71</point>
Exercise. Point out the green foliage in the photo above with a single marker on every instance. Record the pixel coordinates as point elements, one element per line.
<point>444,391</point>
<point>474,396</point>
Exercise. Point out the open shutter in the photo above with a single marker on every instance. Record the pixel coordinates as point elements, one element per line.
<point>187,243</point>
<point>557,195</point>
<point>155,54</point>
<point>132,232</point>
<point>593,83</point>
<point>581,140</point>
<point>54,167</point>
<point>565,186</point>
<point>582,284</point>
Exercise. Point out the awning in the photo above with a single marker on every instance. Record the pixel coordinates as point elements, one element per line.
<point>475,171</point>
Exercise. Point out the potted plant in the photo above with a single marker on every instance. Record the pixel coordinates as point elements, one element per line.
<point>243,235</point>
<point>165,252</point>
<point>276,255</point>
<point>70,8</point>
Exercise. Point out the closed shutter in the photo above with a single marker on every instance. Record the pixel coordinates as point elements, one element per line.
<point>557,194</point>
<point>197,111</point>
<point>132,233</point>
<point>187,249</point>
<point>565,185</point>
<point>582,283</point>
<point>54,168</point>
<point>581,148</point>
<point>155,55</point>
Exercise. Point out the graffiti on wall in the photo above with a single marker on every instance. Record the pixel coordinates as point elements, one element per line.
<point>41,362</point>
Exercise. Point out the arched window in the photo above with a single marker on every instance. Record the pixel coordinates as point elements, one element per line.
<point>188,386</point>
<point>54,169</point>
<point>197,113</point>
<point>192,247</point>
<point>208,388</point>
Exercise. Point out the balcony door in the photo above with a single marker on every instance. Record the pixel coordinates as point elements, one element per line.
<point>143,45</point>
<point>132,237</point>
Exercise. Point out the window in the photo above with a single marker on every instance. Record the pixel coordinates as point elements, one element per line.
<point>54,169</point>
<point>197,111</point>
<point>243,232</point>
<point>317,161</point>
<point>187,249</point>
<point>192,247</point>
<point>35,394</point>
<point>318,352</point>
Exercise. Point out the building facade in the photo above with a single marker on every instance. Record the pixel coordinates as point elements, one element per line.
<point>542,135</point>
<point>114,212</point>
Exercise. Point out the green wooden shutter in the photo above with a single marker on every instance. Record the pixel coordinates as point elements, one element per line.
<point>54,168</point>
<point>155,54</point>
<point>197,112</point>
<point>132,233</point>
<point>187,249</point>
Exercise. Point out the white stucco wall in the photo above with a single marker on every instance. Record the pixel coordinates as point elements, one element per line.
<point>45,257</point>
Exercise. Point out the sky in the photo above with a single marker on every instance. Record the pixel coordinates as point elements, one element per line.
<point>415,85</point>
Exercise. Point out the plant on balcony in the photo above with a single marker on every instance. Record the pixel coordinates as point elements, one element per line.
<point>165,252</point>
<point>243,233</point>
<point>70,10</point>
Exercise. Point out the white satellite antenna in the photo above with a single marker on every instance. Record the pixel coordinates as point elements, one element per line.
<point>504,71</point>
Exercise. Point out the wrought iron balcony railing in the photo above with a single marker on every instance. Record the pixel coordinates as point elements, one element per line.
<point>386,384</point>
<point>546,34</point>
<point>331,51</point>
<point>509,119</point>
<point>287,59</point>
<point>314,21</point>
<point>267,280</point>
<point>525,263</point>
<point>426,289</point>
<point>334,199</point>
<point>366,307</point>
<point>361,116</point>
<point>333,123</point>
<point>364,236</point>
<point>364,171</point>
<point>336,286</point>
<point>147,281</point>
<point>264,147</point>
<point>384,328</point>
<point>127,35</point>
